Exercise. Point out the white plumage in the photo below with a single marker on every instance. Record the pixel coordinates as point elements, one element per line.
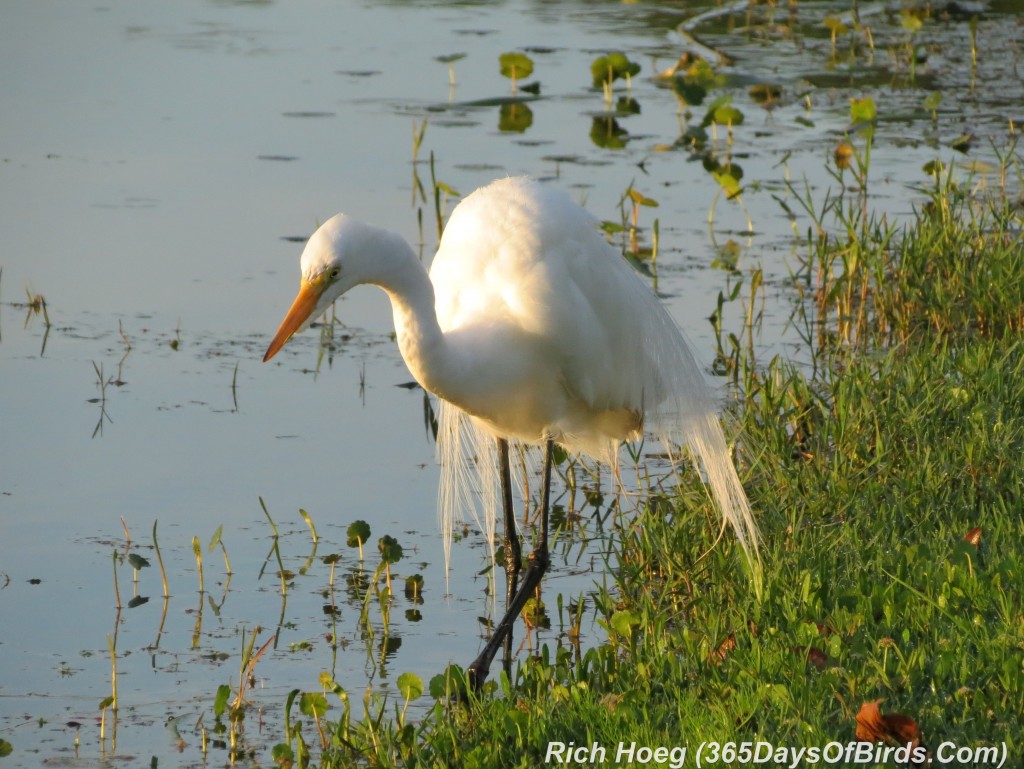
<point>532,327</point>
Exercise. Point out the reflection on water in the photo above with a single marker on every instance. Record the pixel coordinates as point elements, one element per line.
<point>162,165</point>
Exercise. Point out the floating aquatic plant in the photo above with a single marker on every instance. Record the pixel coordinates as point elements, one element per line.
<point>613,66</point>
<point>450,60</point>
<point>357,534</point>
<point>515,66</point>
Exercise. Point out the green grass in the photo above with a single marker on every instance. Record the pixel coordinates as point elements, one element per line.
<point>871,465</point>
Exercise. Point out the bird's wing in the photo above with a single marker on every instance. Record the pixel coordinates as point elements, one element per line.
<point>516,252</point>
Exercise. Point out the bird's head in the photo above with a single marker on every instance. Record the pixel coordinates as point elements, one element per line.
<point>332,263</point>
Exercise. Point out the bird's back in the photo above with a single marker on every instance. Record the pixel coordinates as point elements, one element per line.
<point>524,261</point>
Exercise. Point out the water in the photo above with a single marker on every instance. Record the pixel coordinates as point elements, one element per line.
<point>159,164</point>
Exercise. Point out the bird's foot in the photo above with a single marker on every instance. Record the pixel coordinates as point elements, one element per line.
<point>536,565</point>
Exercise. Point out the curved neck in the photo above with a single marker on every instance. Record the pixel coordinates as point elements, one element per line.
<point>420,339</point>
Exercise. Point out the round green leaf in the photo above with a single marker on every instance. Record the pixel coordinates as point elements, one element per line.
<point>390,550</point>
<point>410,685</point>
<point>358,532</point>
<point>622,621</point>
<point>313,704</point>
<point>515,65</point>
<point>863,110</point>
<point>137,561</point>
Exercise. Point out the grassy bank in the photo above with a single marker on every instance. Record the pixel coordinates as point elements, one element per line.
<point>887,471</point>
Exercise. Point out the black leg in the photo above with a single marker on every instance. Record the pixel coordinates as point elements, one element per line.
<point>513,553</point>
<point>535,568</point>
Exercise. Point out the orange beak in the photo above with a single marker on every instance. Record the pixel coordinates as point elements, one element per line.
<point>301,309</point>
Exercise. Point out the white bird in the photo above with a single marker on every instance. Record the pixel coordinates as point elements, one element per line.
<point>529,328</point>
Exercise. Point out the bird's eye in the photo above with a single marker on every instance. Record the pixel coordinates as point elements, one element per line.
<point>334,273</point>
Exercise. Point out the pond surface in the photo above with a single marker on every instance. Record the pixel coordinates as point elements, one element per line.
<point>161,164</point>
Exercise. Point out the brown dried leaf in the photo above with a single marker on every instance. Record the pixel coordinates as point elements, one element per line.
<point>716,657</point>
<point>814,655</point>
<point>890,728</point>
<point>870,726</point>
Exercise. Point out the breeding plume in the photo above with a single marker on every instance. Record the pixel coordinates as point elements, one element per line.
<point>529,328</point>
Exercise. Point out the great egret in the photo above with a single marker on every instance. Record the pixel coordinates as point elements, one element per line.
<point>530,328</point>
